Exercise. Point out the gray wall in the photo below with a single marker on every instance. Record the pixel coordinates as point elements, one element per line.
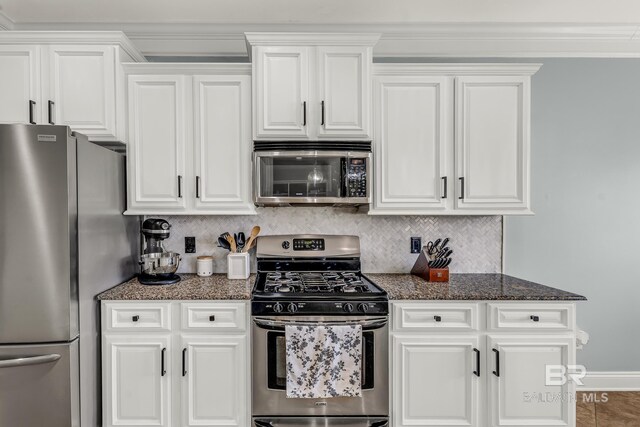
<point>585,193</point>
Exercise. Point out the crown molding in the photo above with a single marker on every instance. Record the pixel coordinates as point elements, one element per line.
<point>310,39</point>
<point>73,37</point>
<point>6,23</point>
<point>498,69</point>
<point>187,68</point>
<point>427,40</point>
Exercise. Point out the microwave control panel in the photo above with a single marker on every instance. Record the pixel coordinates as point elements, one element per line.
<point>357,177</point>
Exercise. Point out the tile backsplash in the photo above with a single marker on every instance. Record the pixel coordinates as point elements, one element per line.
<point>385,240</point>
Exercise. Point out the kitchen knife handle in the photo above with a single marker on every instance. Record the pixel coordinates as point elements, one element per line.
<point>184,361</point>
<point>304,113</point>
<point>197,187</point>
<point>179,186</point>
<point>163,371</point>
<point>477,371</point>
<point>444,184</point>
<point>322,114</point>
<point>461,188</point>
<point>31,105</point>
<point>50,110</point>
<point>497,371</point>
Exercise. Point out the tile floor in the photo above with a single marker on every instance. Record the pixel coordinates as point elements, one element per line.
<point>608,409</point>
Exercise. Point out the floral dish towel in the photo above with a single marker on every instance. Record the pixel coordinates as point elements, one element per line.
<point>323,361</point>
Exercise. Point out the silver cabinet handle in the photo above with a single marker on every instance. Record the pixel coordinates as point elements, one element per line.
<point>26,361</point>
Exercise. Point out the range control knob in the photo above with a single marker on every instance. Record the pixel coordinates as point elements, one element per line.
<point>292,308</point>
<point>363,308</point>
<point>286,244</point>
<point>348,307</point>
<point>278,307</point>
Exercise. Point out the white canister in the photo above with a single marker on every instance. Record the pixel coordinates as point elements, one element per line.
<point>204,266</point>
<point>238,265</point>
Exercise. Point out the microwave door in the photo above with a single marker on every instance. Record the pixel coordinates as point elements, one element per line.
<point>305,177</point>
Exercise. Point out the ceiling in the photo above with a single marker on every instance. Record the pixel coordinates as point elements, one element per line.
<point>428,28</point>
<point>315,11</point>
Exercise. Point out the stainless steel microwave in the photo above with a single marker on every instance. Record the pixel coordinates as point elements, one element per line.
<point>299,173</point>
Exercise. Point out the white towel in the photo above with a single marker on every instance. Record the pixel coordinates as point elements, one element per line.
<point>324,361</point>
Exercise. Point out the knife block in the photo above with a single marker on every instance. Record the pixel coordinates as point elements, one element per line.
<point>421,269</point>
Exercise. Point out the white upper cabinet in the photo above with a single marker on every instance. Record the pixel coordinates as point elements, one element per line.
<point>412,116</point>
<point>156,150</point>
<point>282,99</point>
<point>222,157</point>
<point>63,78</point>
<point>190,142</point>
<point>492,142</point>
<point>451,139</point>
<point>311,86</point>
<point>343,91</point>
<point>83,89</point>
<point>20,84</point>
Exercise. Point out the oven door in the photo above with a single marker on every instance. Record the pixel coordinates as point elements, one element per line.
<point>308,177</point>
<point>269,370</point>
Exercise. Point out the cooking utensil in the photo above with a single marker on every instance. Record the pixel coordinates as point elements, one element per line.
<point>222,242</point>
<point>241,240</point>
<point>232,242</point>
<point>254,233</point>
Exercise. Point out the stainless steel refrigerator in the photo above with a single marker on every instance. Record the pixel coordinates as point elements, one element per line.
<point>63,239</point>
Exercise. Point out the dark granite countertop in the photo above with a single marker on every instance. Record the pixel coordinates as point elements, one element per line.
<point>191,287</point>
<point>476,287</point>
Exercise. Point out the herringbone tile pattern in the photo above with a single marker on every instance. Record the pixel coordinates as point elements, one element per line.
<point>475,240</point>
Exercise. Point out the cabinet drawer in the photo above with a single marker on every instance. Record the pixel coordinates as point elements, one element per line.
<point>214,316</point>
<point>434,316</point>
<point>137,316</point>
<point>507,317</point>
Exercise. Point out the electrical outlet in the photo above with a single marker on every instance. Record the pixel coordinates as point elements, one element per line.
<point>416,245</point>
<point>189,245</point>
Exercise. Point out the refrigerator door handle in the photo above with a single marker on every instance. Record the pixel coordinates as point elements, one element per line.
<point>25,361</point>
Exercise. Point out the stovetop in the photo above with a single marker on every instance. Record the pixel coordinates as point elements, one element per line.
<point>313,275</point>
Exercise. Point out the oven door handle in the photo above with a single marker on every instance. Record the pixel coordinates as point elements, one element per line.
<point>375,323</point>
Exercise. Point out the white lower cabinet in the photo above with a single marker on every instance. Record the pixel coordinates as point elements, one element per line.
<point>518,389</point>
<point>185,377</point>
<point>478,378</point>
<point>136,381</point>
<point>214,376</point>
<point>435,380</point>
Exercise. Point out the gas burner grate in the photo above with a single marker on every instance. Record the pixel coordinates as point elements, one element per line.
<point>314,282</point>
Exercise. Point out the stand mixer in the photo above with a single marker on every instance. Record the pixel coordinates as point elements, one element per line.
<point>158,267</point>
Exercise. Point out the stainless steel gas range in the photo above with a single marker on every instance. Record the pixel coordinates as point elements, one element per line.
<point>316,280</point>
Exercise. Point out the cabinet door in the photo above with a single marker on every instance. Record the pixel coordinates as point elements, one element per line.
<point>156,150</point>
<point>518,390</point>
<point>20,84</point>
<point>214,381</point>
<point>136,380</point>
<point>492,142</point>
<point>222,107</point>
<point>83,90</point>
<point>412,143</point>
<point>435,381</point>
<point>344,87</point>
<point>281,85</point>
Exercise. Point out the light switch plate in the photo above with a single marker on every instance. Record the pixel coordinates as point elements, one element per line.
<point>189,245</point>
<point>416,245</point>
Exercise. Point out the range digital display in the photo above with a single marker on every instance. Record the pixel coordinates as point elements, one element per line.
<point>308,244</point>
